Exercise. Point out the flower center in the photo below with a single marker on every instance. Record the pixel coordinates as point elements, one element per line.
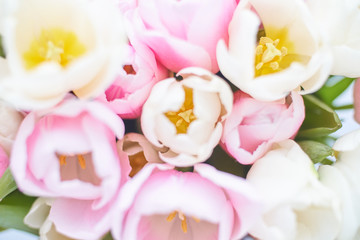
<point>185,115</point>
<point>182,217</point>
<point>80,158</point>
<point>53,45</point>
<point>78,166</point>
<point>268,56</point>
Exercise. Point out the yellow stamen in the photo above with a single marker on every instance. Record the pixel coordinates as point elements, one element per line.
<point>268,56</point>
<point>62,160</point>
<point>81,161</point>
<point>185,115</point>
<point>196,219</point>
<point>53,45</point>
<point>171,216</point>
<point>182,217</point>
<point>274,65</point>
<point>184,225</point>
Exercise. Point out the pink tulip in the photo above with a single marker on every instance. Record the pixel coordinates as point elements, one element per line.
<point>70,151</point>
<point>357,100</point>
<point>162,203</point>
<point>253,126</point>
<point>181,33</point>
<point>132,86</point>
<point>4,162</point>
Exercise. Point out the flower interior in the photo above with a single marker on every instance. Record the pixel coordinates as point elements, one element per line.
<point>185,115</point>
<point>182,218</point>
<point>129,69</point>
<point>53,45</point>
<point>275,52</point>
<point>78,166</point>
<point>268,56</point>
<point>137,162</point>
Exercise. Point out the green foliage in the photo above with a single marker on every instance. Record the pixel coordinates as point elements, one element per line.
<point>108,237</point>
<point>13,209</point>
<point>2,53</point>
<point>7,184</point>
<point>320,119</point>
<point>333,88</point>
<point>318,152</point>
<point>223,162</point>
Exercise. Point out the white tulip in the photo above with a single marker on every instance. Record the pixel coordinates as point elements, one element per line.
<point>53,47</point>
<point>297,205</point>
<point>186,116</point>
<point>344,178</point>
<point>38,218</point>
<point>10,120</point>
<point>339,21</point>
<point>289,57</point>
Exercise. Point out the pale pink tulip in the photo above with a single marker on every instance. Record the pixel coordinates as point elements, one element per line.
<point>4,162</point>
<point>66,213</point>
<point>181,33</point>
<point>70,151</point>
<point>253,126</point>
<point>357,100</point>
<point>132,86</point>
<point>162,203</point>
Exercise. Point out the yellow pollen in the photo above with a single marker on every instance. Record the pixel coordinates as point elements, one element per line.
<point>268,56</point>
<point>196,219</point>
<point>185,115</point>
<point>81,161</point>
<point>171,216</point>
<point>62,160</point>
<point>53,45</point>
<point>80,158</point>
<point>182,217</point>
<point>184,225</point>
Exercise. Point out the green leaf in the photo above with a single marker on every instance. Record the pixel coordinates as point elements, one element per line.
<point>108,237</point>
<point>2,53</point>
<point>327,162</point>
<point>13,209</point>
<point>333,88</point>
<point>7,184</point>
<point>320,119</point>
<point>224,162</point>
<point>317,151</point>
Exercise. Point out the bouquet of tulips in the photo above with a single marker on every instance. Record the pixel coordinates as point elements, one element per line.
<point>179,119</point>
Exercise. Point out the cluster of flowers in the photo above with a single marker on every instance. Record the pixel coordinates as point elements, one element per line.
<point>72,70</point>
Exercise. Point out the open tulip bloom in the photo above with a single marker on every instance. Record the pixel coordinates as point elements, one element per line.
<point>180,119</point>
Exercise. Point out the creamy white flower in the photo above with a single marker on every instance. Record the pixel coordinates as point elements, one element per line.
<point>10,120</point>
<point>339,21</point>
<point>6,7</point>
<point>37,218</point>
<point>297,205</point>
<point>53,47</point>
<point>289,57</point>
<point>344,178</point>
<point>185,116</point>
